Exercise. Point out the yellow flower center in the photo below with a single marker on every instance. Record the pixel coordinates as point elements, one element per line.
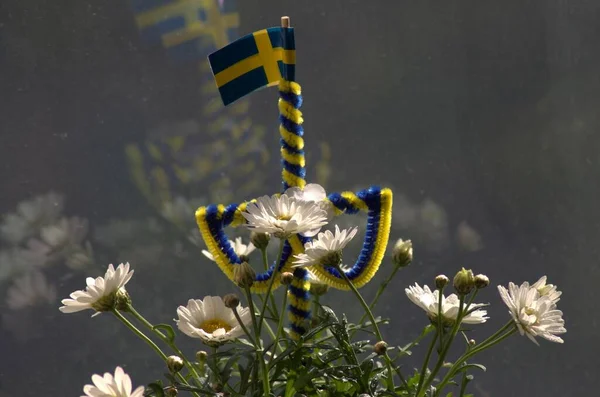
<point>284,217</point>
<point>211,326</point>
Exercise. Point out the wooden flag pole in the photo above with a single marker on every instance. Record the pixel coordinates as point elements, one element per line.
<point>285,22</point>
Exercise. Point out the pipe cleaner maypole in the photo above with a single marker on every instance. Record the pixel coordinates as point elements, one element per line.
<point>267,58</point>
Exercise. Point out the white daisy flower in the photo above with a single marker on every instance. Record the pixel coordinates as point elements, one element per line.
<point>428,301</point>
<point>211,321</point>
<point>547,289</point>
<point>534,314</point>
<point>100,293</point>
<point>283,216</point>
<point>312,193</point>
<point>326,249</point>
<point>30,216</point>
<point>108,385</point>
<point>30,290</point>
<point>239,247</point>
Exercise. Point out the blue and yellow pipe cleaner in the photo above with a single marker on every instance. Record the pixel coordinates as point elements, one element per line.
<point>264,58</point>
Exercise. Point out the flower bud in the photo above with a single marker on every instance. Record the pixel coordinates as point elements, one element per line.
<point>286,278</point>
<point>171,391</point>
<point>380,348</point>
<point>201,356</point>
<point>318,289</point>
<point>260,240</point>
<point>243,275</point>
<point>472,342</point>
<point>174,363</point>
<point>481,281</point>
<point>464,281</point>
<point>441,281</point>
<point>122,300</point>
<point>402,253</point>
<point>231,301</point>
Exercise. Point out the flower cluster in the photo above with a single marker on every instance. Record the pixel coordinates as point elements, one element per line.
<point>219,321</point>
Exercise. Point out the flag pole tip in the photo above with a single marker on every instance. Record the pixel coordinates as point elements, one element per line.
<point>285,22</point>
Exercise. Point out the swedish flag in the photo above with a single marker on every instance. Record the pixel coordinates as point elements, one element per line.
<point>256,60</point>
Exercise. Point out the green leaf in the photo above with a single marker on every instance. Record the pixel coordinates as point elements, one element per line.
<point>167,329</point>
<point>154,389</point>
<point>468,366</point>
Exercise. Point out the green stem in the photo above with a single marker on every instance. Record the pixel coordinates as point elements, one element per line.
<point>380,290</point>
<point>390,378</point>
<point>166,340</point>
<point>239,319</point>
<point>463,384</point>
<point>491,338</point>
<point>271,282</point>
<point>265,258</point>
<point>456,366</point>
<point>140,334</point>
<point>269,296</point>
<point>426,363</point>
<point>279,329</point>
<point>440,327</point>
<point>148,341</point>
<point>446,348</point>
<point>258,343</point>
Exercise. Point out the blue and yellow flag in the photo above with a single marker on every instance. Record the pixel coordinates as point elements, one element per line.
<point>256,60</point>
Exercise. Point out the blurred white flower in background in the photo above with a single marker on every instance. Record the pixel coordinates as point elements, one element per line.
<point>533,313</point>
<point>100,293</point>
<point>239,247</point>
<point>80,257</point>
<point>67,232</point>
<point>211,321</point>
<point>468,238</point>
<point>30,217</point>
<point>30,290</point>
<point>19,260</point>
<point>108,385</point>
<point>428,301</point>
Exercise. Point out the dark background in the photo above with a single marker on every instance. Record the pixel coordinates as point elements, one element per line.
<point>489,108</point>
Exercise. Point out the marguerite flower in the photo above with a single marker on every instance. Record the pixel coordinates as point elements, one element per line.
<point>428,301</point>
<point>327,249</point>
<point>547,289</point>
<point>239,247</point>
<point>108,385</point>
<point>283,216</point>
<point>101,293</point>
<point>30,290</point>
<point>210,320</point>
<point>534,314</point>
<point>312,193</point>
